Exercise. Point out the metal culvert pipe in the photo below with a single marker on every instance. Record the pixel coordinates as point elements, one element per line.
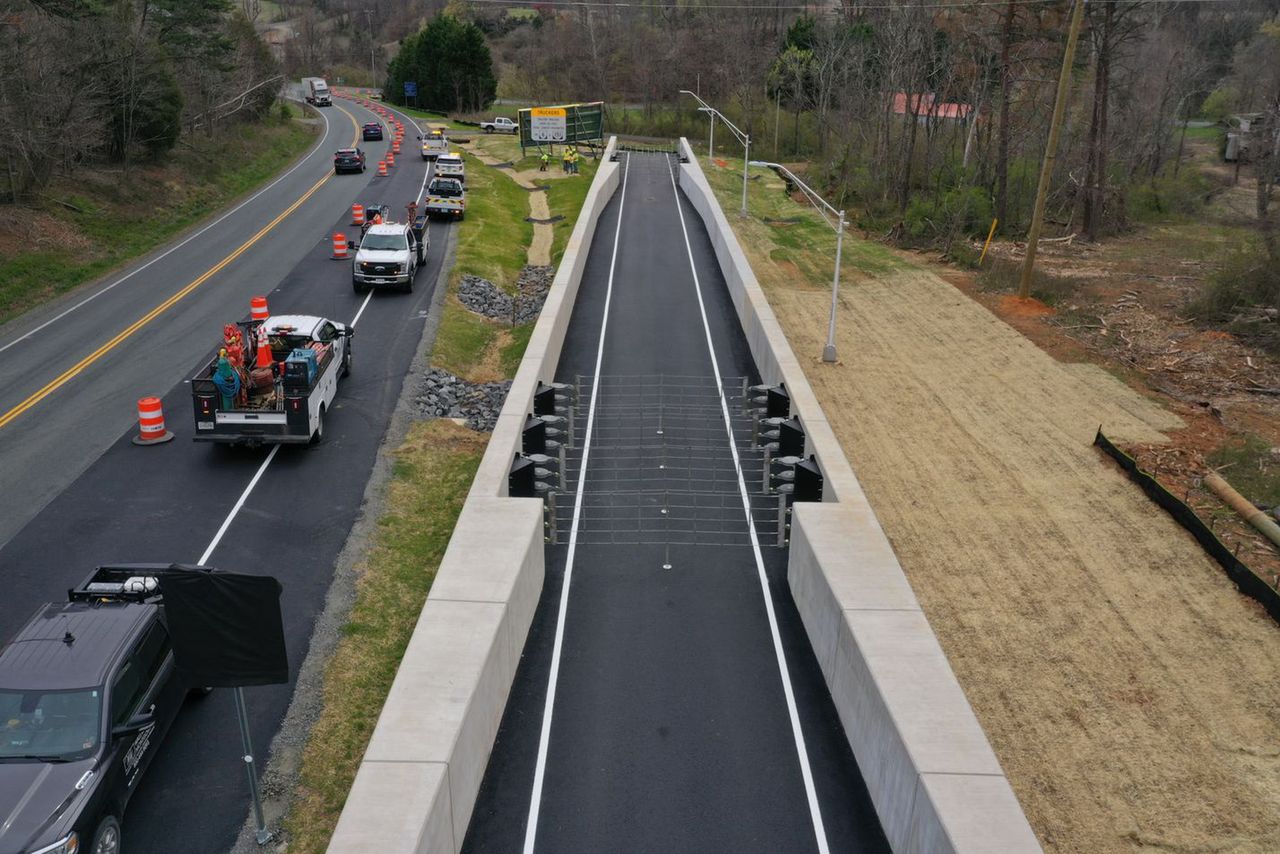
<point>1241,505</point>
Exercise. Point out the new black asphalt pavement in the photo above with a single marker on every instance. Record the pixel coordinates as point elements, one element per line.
<point>78,493</point>
<point>671,731</point>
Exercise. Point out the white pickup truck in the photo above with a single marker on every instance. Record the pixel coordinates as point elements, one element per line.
<point>237,402</point>
<point>434,144</point>
<point>388,256</point>
<point>501,124</point>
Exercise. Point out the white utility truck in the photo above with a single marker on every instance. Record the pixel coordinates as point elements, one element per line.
<point>272,381</point>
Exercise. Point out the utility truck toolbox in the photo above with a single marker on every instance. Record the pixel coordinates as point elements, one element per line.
<point>271,381</point>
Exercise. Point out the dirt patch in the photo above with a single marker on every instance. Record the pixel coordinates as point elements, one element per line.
<point>540,248</point>
<point>1127,688</point>
<point>1016,306</point>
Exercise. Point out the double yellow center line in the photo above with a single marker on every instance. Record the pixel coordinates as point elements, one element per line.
<point>72,372</point>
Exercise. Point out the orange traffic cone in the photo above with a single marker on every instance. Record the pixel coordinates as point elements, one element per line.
<point>339,246</point>
<point>151,423</point>
<point>264,349</point>
<point>357,214</point>
<point>382,168</point>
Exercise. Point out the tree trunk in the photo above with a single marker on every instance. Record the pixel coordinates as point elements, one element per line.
<point>1002,154</point>
<point>1268,165</point>
<point>1096,175</point>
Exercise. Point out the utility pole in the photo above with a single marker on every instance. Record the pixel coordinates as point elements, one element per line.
<point>1051,150</point>
<point>368,16</point>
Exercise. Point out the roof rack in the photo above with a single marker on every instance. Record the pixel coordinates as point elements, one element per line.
<point>127,582</point>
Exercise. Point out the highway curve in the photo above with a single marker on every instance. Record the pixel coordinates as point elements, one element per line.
<point>79,493</point>
<point>670,700</point>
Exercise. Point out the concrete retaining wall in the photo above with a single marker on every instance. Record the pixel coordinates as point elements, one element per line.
<point>418,781</point>
<point>934,780</point>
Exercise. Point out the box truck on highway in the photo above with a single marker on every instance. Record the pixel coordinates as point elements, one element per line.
<point>272,381</point>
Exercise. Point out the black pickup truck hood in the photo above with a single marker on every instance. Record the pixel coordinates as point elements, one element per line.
<point>33,796</point>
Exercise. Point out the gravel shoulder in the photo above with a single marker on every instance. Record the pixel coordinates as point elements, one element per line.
<point>1128,689</point>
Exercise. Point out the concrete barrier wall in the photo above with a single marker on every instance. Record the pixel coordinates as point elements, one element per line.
<point>417,783</point>
<point>935,782</point>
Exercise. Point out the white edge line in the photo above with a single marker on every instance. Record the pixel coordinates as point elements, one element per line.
<point>535,798</point>
<point>226,523</point>
<point>363,305</point>
<point>802,752</point>
<point>178,246</point>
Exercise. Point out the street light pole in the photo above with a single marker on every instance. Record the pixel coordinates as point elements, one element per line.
<point>827,212</point>
<point>742,138</point>
<point>829,351</point>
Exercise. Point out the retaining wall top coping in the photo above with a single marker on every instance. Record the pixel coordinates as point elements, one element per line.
<point>396,806</point>
<point>920,691</point>
<point>488,549</point>
<point>966,805</point>
<point>861,571</point>
<point>437,681</point>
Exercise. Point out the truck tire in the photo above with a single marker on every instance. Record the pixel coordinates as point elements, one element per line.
<point>346,360</point>
<point>319,433</point>
<point>489,129</point>
<point>106,839</point>
<point>358,288</point>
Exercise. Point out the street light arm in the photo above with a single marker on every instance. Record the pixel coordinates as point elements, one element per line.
<point>742,137</point>
<point>810,193</point>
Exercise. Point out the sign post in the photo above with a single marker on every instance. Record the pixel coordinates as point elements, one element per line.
<point>411,91</point>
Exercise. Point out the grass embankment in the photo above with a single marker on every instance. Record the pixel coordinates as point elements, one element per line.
<point>492,243</point>
<point>798,242</point>
<point>433,469</point>
<point>84,228</point>
<point>432,472</point>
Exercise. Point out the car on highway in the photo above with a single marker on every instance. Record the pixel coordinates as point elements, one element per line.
<point>348,160</point>
<point>371,130</point>
<point>88,690</point>
<point>388,257</point>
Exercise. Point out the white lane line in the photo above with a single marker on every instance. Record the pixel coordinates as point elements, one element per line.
<point>535,798</point>
<point>226,523</point>
<point>802,752</point>
<point>175,248</point>
<point>363,305</point>
<point>244,496</point>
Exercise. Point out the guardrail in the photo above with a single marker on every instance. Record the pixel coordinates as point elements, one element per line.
<point>418,781</point>
<point>933,777</point>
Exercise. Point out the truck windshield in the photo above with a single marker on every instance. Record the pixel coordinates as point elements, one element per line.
<point>49,726</point>
<point>385,241</point>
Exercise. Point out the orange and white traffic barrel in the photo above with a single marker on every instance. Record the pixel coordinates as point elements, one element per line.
<point>391,158</point>
<point>151,423</point>
<point>357,214</point>
<point>395,146</point>
<point>382,168</point>
<point>339,246</point>
<point>258,308</point>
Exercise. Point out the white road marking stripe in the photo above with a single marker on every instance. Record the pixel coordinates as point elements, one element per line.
<point>356,319</point>
<point>815,812</point>
<point>226,523</point>
<point>535,798</point>
<point>175,248</point>
<point>244,496</point>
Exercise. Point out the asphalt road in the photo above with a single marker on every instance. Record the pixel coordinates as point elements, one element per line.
<point>79,493</point>
<point>671,728</point>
